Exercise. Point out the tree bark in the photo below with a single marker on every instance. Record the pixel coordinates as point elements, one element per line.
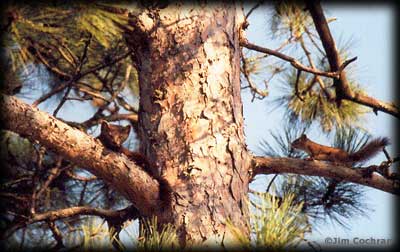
<point>190,124</point>
<point>83,150</point>
<point>190,116</point>
<point>267,165</point>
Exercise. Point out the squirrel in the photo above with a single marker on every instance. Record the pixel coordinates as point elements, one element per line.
<point>321,152</point>
<point>113,136</point>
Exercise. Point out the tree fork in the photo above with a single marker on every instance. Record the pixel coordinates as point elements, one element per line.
<point>83,150</point>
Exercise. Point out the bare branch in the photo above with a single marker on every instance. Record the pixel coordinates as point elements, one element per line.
<point>258,4</point>
<point>296,85</point>
<point>54,91</point>
<point>109,63</point>
<point>97,118</point>
<point>266,165</point>
<point>56,234</point>
<point>343,90</point>
<point>61,87</point>
<point>271,182</point>
<point>81,210</point>
<point>295,63</point>
<point>375,104</point>
<point>14,196</point>
<point>76,75</point>
<point>51,216</point>
<point>35,51</point>
<point>311,37</point>
<point>54,173</point>
<point>252,86</point>
<point>311,62</point>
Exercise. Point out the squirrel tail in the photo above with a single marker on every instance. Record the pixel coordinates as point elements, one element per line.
<point>369,150</point>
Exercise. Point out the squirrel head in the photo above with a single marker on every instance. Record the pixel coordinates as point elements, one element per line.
<point>299,142</point>
<point>113,136</point>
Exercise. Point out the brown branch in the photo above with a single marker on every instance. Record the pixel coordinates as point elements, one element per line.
<point>271,182</point>
<point>77,74</point>
<point>54,91</point>
<point>65,56</point>
<point>92,94</point>
<point>132,117</point>
<point>342,86</point>
<point>343,90</point>
<point>51,216</point>
<point>296,85</point>
<point>35,177</point>
<point>60,87</point>
<point>252,86</point>
<point>97,118</point>
<point>109,63</point>
<point>57,235</point>
<point>34,50</point>
<point>295,63</point>
<point>267,165</point>
<point>82,150</point>
<point>54,173</point>
<point>324,33</point>
<point>311,62</point>
<point>254,8</point>
<point>69,51</point>
<point>14,196</point>
<point>375,104</point>
<point>81,210</point>
<point>64,98</point>
<point>310,37</point>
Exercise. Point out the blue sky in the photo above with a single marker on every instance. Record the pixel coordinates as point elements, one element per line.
<point>371,29</point>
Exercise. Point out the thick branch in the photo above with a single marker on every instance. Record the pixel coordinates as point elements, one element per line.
<point>83,150</point>
<point>267,165</point>
<point>343,90</point>
<point>374,103</point>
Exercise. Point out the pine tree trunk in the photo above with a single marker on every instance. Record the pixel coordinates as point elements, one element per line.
<point>191,121</point>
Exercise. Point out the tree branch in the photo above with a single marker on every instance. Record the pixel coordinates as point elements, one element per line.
<point>311,62</point>
<point>98,117</point>
<point>343,90</point>
<point>57,235</point>
<point>259,3</point>
<point>252,86</point>
<point>295,63</point>
<point>83,150</point>
<point>78,76</point>
<point>267,165</point>
<point>83,210</point>
<point>51,216</point>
